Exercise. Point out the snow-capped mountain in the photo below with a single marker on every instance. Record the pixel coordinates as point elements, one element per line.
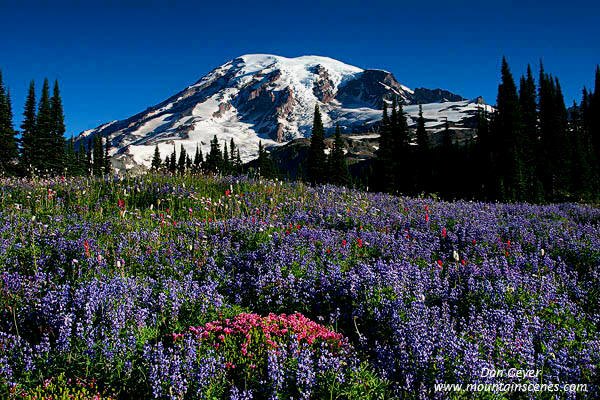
<point>270,98</point>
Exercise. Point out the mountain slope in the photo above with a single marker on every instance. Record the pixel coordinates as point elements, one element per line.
<point>270,98</point>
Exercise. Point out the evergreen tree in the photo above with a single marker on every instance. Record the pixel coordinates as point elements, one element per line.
<point>29,143</point>
<point>581,169</point>
<point>483,161</point>
<point>198,159</point>
<point>8,143</point>
<point>338,167</point>
<point>553,167</point>
<point>70,158</point>
<point>88,159</point>
<point>106,159</point>
<point>181,162</point>
<point>56,161</point>
<point>98,156</point>
<point>400,150</point>
<point>226,164</point>
<point>188,163</point>
<point>45,145</point>
<point>446,166</point>
<point>593,118</point>
<point>156,160</point>
<point>238,162</point>
<point>265,163</point>
<point>423,156</point>
<point>529,143</point>
<point>167,163</point>
<point>384,163</point>
<point>214,160</point>
<point>173,161</point>
<point>506,132</point>
<point>316,168</point>
<point>232,150</point>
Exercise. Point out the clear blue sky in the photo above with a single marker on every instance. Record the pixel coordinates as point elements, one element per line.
<point>115,61</point>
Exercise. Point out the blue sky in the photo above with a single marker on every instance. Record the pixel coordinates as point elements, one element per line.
<point>113,61</point>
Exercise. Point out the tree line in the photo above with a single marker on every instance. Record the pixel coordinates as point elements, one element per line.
<point>226,161</point>
<point>530,148</point>
<point>41,147</point>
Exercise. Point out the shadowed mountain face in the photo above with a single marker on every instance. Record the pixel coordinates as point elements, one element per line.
<point>269,98</point>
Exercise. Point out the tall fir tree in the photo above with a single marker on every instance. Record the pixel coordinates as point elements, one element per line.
<point>181,161</point>
<point>89,167</point>
<point>316,163</point>
<point>156,160</point>
<point>44,132</point>
<point>402,162</point>
<point>226,163</point>
<point>56,161</point>
<point>70,158</point>
<point>338,167</point>
<point>98,156</point>
<point>529,143</point>
<point>423,156</point>
<point>29,140</point>
<point>383,171</point>
<point>8,142</point>
<point>106,158</point>
<point>173,161</point>
<point>198,159</point>
<point>553,165</point>
<point>507,136</point>
<point>593,116</point>
<point>581,178</point>
<point>214,159</point>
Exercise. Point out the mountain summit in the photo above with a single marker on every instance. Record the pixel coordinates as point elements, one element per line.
<point>270,98</point>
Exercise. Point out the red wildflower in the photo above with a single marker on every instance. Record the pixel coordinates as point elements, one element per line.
<point>440,262</point>
<point>87,248</point>
<point>344,242</point>
<point>122,204</point>
<point>227,192</point>
<point>444,232</point>
<point>426,217</point>
<point>359,243</point>
<point>463,262</point>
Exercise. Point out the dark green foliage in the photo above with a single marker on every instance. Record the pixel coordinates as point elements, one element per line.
<point>554,162</point>
<point>423,154</point>
<point>173,161</point>
<point>44,127</point>
<point>198,159</point>
<point>8,142</point>
<point>529,144</point>
<point>70,158</point>
<point>156,160</point>
<point>55,160</point>
<point>181,161</point>
<point>384,165</point>
<point>98,156</point>
<point>214,160</point>
<point>506,130</point>
<point>316,168</point>
<point>29,155</point>
<point>226,163</point>
<point>266,168</point>
<point>338,168</point>
<point>401,152</point>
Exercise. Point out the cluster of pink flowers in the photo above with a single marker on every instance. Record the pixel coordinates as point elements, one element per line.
<point>273,327</point>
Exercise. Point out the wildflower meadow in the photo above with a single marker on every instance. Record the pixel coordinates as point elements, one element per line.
<point>194,287</point>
